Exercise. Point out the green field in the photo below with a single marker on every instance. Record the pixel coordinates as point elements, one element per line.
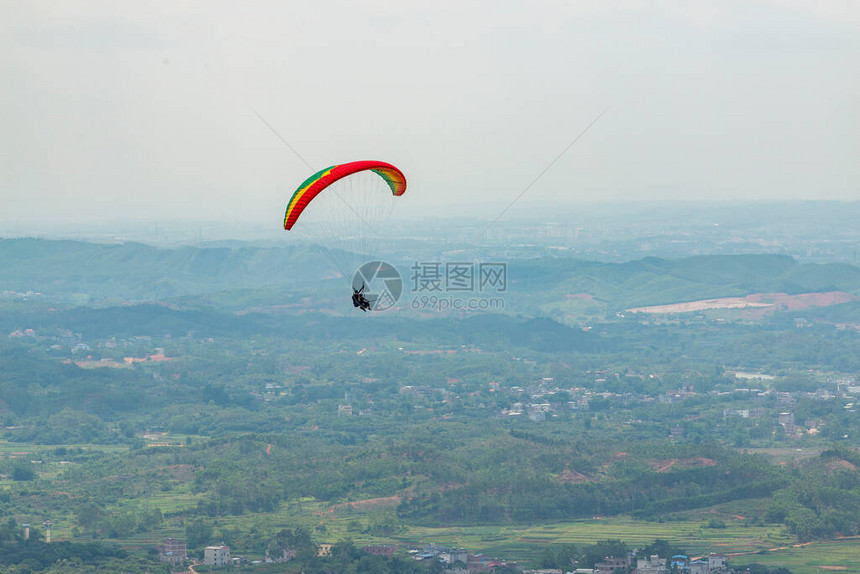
<point>842,555</point>
<point>527,543</point>
<point>19,449</point>
<point>524,544</point>
<point>768,544</point>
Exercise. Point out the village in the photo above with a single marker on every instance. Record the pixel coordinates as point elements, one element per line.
<point>461,561</point>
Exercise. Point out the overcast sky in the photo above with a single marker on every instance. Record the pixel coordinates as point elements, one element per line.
<point>114,110</point>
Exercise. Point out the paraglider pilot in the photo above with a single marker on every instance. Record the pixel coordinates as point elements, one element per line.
<point>359,300</point>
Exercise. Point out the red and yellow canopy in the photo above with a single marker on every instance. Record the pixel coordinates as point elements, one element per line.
<point>313,185</point>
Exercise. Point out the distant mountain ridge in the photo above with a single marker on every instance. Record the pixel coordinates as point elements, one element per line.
<point>654,281</point>
<point>80,273</point>
<point>138,272</point>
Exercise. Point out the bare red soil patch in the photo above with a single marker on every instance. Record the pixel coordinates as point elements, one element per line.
<point>842,464</point>
<point>757,303</point>
<point>571,476</point>
<point>786,302</point>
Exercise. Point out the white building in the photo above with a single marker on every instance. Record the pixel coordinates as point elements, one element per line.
<point>217,556</point>
<point>651,565</point>
<point>716,562</point>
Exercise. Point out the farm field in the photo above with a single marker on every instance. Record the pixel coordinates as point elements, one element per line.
<point>841,555</point>
<point>521,543</point>
<point>21,449</point>
<point>764,544</point>
<point>514,542</point>
<point>526,543</point>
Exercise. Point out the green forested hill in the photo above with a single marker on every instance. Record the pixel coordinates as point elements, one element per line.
<point>63,269</point>
<point>653,281</point>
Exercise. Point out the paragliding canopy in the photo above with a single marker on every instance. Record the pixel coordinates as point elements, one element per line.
<point>319,181</point>
<point>343,213</point>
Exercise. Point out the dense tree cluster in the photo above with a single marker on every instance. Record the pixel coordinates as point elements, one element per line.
<point>95,557</point>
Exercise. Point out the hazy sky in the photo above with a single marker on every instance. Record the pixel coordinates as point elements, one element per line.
<point>120,110</point>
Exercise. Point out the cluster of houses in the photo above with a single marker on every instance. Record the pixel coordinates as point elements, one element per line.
<point>537,410</point>
<point>66,340</point>
<point>459,561</point>
<point>542,407</point>
<point>175,552</point>
<point>681,564</point>
<point>75,342</point>
<point>712,563</point>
